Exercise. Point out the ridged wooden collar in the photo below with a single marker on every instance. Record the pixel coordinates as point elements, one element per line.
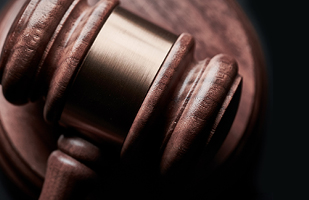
<point>46,45</point>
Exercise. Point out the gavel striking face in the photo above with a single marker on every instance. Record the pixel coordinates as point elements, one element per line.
<point>121,81</point>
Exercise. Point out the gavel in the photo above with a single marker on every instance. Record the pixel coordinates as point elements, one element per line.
<point>127,93</point>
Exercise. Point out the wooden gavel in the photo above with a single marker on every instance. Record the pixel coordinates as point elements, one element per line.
<point>124,92</point>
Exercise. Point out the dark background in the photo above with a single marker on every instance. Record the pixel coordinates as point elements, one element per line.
<point>283,30</point>
<point>282,172</point>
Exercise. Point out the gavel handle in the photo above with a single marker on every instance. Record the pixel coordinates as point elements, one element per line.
<point>68,173</point>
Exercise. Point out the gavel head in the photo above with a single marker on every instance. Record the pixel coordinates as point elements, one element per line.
<point>117,78</point>
<point>95,64</point>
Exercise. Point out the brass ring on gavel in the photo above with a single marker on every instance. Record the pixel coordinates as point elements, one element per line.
<point>115,76</point>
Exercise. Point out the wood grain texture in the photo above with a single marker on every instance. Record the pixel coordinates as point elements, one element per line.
<point>70,173</point>
<point>36,62</point>
<point>176,120</point>
<point>193,128</point>
<point>218,26</point>
<point>66,178</point>
<point>79,149</point>
<point>39,28</point>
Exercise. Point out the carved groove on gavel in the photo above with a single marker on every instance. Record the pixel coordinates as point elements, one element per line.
<point>116,77</point>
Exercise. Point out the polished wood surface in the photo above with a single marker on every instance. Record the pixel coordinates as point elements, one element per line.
<point>218,27</point>
<point>45,35</point>
<point>68,175</point>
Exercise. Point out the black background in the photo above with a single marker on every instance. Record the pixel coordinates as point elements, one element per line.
<point>282,172</point>
<point>283,30</point>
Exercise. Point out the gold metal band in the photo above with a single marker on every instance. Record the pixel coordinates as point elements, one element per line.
<point>116,76</point>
